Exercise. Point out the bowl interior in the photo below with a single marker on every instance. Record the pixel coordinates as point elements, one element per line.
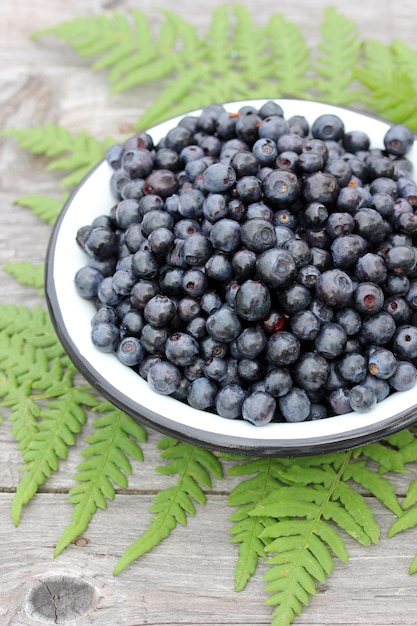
<point>125,388</point>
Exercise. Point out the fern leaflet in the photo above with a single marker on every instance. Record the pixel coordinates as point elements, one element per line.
<point>74,153</point>
<point>393,88</point>
<point>338,56</point>
<point>27,273</point>
<point>106,464</point>
<point>44,207</point>
<point>172,505</point>
<point>291,57</point>
<point>302,539</point>
<point>246,529</point>
<point>62,419</point>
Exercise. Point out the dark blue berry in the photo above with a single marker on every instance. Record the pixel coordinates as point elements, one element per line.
<point>295,406</point>
<point>259,408</point>
<point>252,301</point>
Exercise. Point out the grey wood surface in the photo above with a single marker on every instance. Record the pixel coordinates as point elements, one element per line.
<point>188,579</point>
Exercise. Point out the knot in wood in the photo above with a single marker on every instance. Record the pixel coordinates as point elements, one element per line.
<point>60,599</point>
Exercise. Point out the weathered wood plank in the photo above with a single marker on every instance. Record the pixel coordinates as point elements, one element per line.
<point>188,579</point>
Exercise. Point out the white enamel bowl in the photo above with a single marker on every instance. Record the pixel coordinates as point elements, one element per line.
<point>71,316</point>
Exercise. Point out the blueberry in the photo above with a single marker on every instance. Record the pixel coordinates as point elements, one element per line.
<point>331,340</point>
<point>105,336</point>
<point>281,188</point>
<point>321,187</point>
<point>307,275</point>
<point>142,292</point>
<point>328,126</point>
<point>224,325</point>
<point>247,127</point>
<point>248,189</point>
<point>137,163</point>
<point>123,281</point>
<point>278,381</point>
<point>202,394</point>
<point>215,368</point>
<point>404,377</point>
<point>132,323</point>
<point>181,349</point>
<point>164,377</point>
<point>362,398</point>
<point>399,309</point>
<point>379,386</point>
<point>251,342</point>
<point>252,301</point>
<point>334,288</point>
<point>311,371</point>
<point>244,263</point>
<point>401,259</point>
<point>371,267</point>
<point>87,281</point>
<point>162,183</point>
<point>219,177</point>
<point>258,235</point>
<point>305,325</point>
<point>218,268</point>
<point>350,319</point>
<point>378,329</point>
<point>283,348</point>
<point>352,367</point>
<point>404,342</point>
<point>259,408</point>
<point>130,351</point>
<point>154,219</point>
<point>144,265</point>
<point>101,243</point>
<point>347,249</point>
<point>382,363</point>
<point>159,311</point>
<point>273,127</point>
<point>229,401</point>
<point>294,298</point>
<point>106,293</point>
<point>368,298</point>
<point>225,235</point>
<point>295,405</point>
<point>339,401</point>
<point>265,151</point>
<point>276,267</point>
<point>398,140</point>
<point>194,282</point>
<point>105,313</point>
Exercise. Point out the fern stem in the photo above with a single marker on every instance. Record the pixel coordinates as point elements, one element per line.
<point>314,521</point>
<point>45,396</point>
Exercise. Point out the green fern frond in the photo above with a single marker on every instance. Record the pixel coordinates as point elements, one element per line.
<point>76,153</point>
<point>62,420</point>
<point>339,51</point>
<point>116,438</point>
<point>250,45</point>
<point>44,207</point>
<point>388,457</point>
<point>306,514</point>
<point>291,57</point>
<point>171,506</point>
<point>393,88</point>
<point>45,408</point>
<point>247,530</point>
<point>27,273</point>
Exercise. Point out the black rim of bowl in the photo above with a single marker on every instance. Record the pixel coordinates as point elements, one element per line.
<point>214,441</point>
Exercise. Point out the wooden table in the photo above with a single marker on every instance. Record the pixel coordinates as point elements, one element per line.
<point>188,579</point>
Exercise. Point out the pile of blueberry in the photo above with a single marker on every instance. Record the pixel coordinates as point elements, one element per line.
<point>259,268</point>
